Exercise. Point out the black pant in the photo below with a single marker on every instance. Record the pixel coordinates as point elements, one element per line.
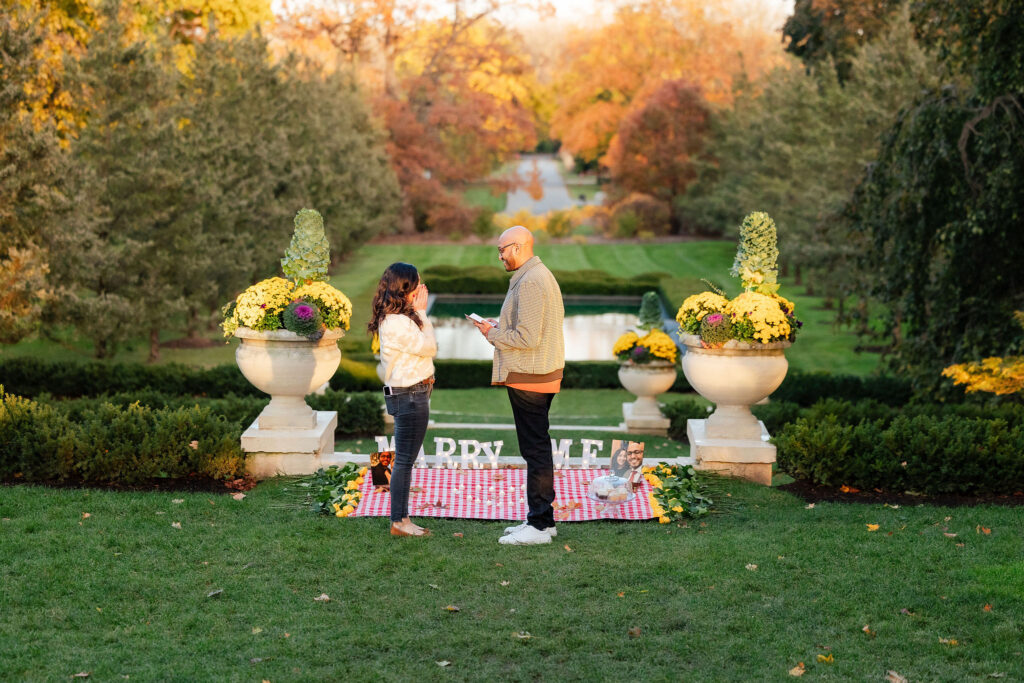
<point>530,410</point>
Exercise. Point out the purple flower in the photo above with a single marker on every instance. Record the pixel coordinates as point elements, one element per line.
<point>304,311</point>
<point>714,318</point>
<point>639,351</point>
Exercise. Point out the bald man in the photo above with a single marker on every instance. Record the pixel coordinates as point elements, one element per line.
<point>529,356</point>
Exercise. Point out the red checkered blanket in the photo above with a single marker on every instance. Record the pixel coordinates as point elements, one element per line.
<point>500,494</point>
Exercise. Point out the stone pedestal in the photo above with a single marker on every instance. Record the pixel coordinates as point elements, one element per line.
<point>639,421</point>
<point>746,458</point>
<point>289,451</point>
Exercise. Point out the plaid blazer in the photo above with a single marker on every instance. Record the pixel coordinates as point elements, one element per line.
<point>528,339</point>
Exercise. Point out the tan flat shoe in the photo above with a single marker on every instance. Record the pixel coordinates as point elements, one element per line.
<point>395,531</point>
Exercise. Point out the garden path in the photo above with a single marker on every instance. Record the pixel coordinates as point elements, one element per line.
<point>540,174</point>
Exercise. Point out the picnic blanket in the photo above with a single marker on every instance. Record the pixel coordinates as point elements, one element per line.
<point>500,494</point>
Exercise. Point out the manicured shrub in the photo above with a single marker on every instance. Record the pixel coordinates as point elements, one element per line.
<point>448,279</point>
<point>776,414</point>
<point>930,454</point>
<point>678,412</point>
<point>36,441</point>
<point>807,388</point>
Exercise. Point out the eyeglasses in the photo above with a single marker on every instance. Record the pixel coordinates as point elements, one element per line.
<point>501,249</point>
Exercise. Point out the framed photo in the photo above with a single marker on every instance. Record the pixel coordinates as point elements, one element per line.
<point>627,459</point>
<point>380,470</point>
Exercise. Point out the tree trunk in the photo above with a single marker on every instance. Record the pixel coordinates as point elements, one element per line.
<point>192,323</point>
<point>154,345</point>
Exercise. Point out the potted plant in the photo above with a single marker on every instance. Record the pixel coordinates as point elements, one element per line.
<point>289,328</point>
<point>735,348</point>
<point>647,365</point>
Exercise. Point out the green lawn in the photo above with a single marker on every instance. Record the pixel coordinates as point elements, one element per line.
<point>484,197</point>
<point>820,347</point>
<point>744,595</point>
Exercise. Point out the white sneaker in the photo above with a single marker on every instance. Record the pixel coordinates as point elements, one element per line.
<point>526,536</point>
<point>512,529</point>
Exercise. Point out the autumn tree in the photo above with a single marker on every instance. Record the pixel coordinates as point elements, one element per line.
<point>657,145</point>
<point>613,69</point>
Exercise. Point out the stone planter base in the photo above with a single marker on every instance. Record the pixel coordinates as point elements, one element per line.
<point>750,459</point>
<point>273,452</point>
<point>643,423</point>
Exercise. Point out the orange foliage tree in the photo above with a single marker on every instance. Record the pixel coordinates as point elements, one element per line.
<point>613,69</point>
<point>657,144</point>
<point>456,95</point>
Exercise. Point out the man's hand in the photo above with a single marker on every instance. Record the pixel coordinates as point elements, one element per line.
<point>485,326</point>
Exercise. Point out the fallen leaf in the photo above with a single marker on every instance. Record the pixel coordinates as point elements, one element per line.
<point>238,496</point>
<point>872,527</point>
<point>946,519</point>
<point>948,535</point>
<point>86,515</point>
<point>434,586</point>
<point>453,608</point>
<point>498,564</point>
<point>893,677</point>
<point>194,445</point>
<point>752,567</point>
<point>215,593</point>
<point>634,632</point>
<point>81,674</point>
<point>287,635</point>
<point>256,629</point>
<point>982,530</point>
<point>177,501</point>
<point>176,525</point>
<point>567,548</point>
<point>457,535</point>
<point>848,489</point>
<point>987,607</point>
<point>622,594</point>
<point>323,597</point>
<point>952,642</point>
<point>907,612</point>
<point>809,506</point>
<point>997,674</point>
<point>255,660</point>
<point>443,662</point>
<point>523,635</point>
<point>798,670</point>
<point>505,583</point>
<point>867,630</point>
<point>828,659</point>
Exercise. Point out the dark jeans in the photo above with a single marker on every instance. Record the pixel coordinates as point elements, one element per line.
<point>411,412</point>
<point>530,410</point>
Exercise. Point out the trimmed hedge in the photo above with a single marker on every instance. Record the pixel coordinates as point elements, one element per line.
<point>32,377</point>
<point>807,388</point>
<point>449,279</point>
<point>115,444</point>
<point>359,414</point>
<point>924,454</point>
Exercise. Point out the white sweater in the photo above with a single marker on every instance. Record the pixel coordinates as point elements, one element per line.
<point>406,350</point>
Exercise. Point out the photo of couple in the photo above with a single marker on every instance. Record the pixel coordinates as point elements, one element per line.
<point>627,460</point>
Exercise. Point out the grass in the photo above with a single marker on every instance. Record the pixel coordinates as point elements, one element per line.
<point>820,347</point>
<point>121,593</point>
<point>484,197</point>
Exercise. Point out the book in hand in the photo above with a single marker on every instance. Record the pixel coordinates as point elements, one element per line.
<point>475,318</point>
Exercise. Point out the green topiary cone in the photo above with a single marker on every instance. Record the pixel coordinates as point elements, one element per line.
<point>309,254</point>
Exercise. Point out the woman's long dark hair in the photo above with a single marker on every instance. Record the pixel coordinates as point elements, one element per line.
<point>396,284</point>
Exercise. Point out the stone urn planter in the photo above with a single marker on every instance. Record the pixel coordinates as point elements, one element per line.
<point>645,381</point>
<point>734,377</point>
<point>288,367</point>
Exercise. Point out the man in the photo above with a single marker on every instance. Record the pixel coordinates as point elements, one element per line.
<point>529,356</point>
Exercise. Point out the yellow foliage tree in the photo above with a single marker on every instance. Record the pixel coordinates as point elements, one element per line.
<point>999,376</point>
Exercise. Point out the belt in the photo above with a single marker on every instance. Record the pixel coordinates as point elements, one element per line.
<point>413,389</point>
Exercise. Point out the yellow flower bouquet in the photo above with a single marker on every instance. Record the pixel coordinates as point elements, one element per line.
<point>759,315</point>
<point>655,345</point>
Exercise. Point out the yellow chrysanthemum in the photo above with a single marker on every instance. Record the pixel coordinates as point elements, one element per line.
<point>625,343</point>
<point>333,300</point>
<point>659,345</point>
<point>763,313</point>
<point>663,520</point>
<point>267,297</point>
<point>695,307</point>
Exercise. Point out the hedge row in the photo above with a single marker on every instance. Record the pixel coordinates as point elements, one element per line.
<point>72,379</point>
<point>115,444</point>
<point>924,454</point>
<point>359,414</point>
<point>448,279</point>
<point>807,388</point>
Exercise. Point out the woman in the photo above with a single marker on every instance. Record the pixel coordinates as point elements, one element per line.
<point>407,346</point>
<point>619,461</point>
